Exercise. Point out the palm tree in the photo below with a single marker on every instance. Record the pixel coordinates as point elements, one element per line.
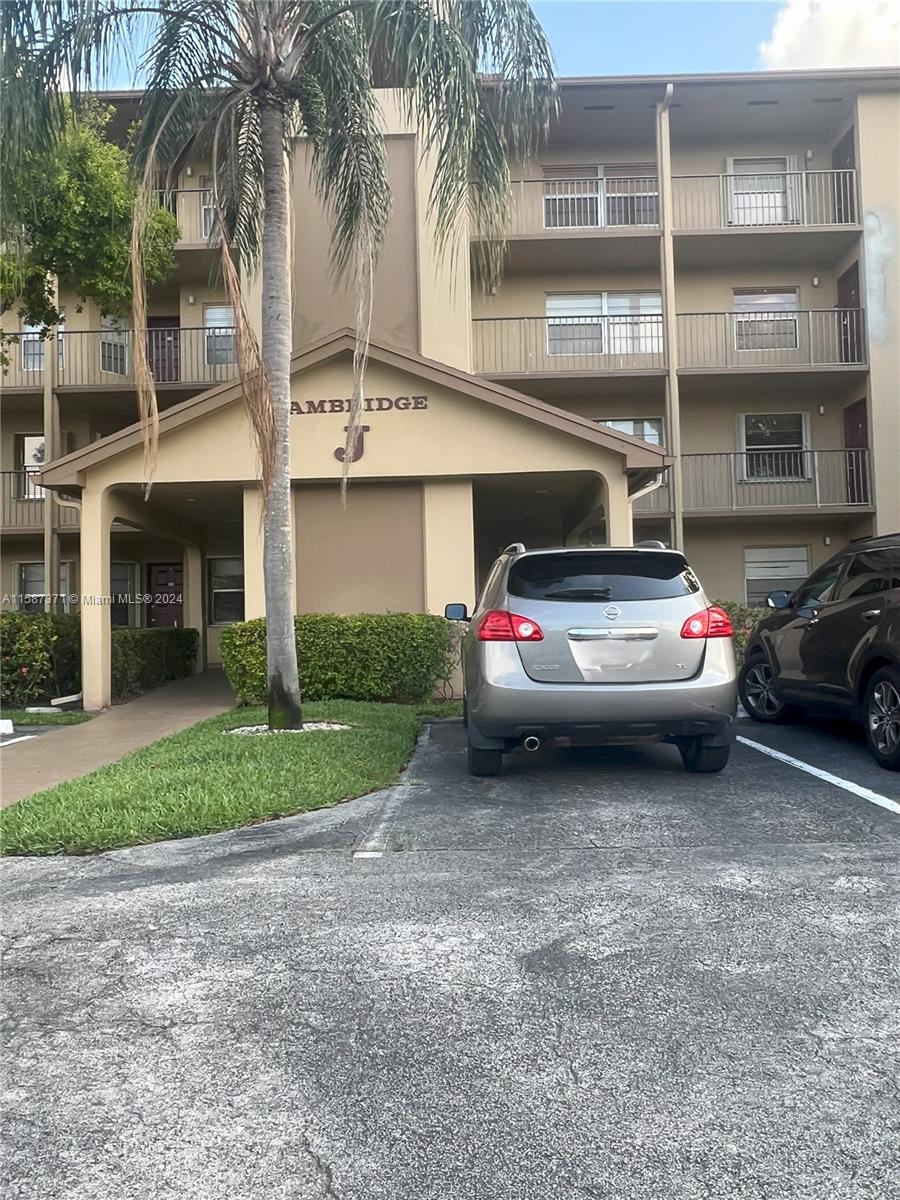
<point>244,78</point>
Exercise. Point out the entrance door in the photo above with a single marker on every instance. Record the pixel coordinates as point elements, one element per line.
<point>164,348</point>
<point>165,609</point>
<point>856,441</point>
<point>843,163</point>
<point>848,308</point>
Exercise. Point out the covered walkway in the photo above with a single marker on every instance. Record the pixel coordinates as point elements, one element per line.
<point>31,766</point>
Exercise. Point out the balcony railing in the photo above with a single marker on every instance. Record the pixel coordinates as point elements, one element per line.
<point>22,504</point>
<point>193,209</point>
<point>776,479</point>
<point>106,357</point>
<point>800,199</point>
<point>780,338</point>
<point>657,501</point>
<point>550,345</point>
<point>592,203</point>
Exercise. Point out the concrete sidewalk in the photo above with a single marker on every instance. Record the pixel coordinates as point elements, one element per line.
<point>73,750</point>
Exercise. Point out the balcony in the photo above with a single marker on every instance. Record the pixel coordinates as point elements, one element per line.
<point>104,359</point>
<point>193,210</point>
<point>780,340</point>
<point>504,346</point>
<point>775,480</point>
<point>579,222</point>
<point>800,216</point>
<point>22,505</point>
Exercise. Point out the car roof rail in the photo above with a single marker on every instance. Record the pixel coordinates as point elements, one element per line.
<point>650,544</point>
<point>515,548</point>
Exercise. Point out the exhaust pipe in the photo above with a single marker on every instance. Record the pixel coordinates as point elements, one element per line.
<point>532,743</point>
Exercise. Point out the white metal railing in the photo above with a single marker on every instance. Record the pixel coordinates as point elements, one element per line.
<point>779,338</point>
<point>560,344</point>
<point>589,202</point>
<point>105,357</point>
<point>783,198</point>
<point>776,479</point>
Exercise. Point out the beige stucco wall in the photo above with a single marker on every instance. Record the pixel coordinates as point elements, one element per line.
<point>712,290</point>
<point>367,557</point>
<point>711,157</point>
<point>879,137</point>
<point>525,295</point>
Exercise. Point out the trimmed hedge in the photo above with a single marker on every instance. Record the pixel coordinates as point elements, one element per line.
<point>41,657</point>
<point>145,658</point>
<point>743,618</point>
<point>390,657</point>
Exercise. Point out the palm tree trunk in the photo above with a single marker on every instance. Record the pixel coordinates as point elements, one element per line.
<point>283,687</point>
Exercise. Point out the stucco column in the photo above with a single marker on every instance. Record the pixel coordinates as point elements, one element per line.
<point>667,280</point>
<point>254,593</point>
<point>619,523</point>
<point>96,519</point>
<point>448,523</point>
<point>192,608</point>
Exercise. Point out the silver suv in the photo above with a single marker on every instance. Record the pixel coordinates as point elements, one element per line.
<point>596,645</point>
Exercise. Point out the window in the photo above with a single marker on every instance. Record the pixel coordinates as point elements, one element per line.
<point>765,319</point>
<point>869,573</point>
<point>207,210</point>
<point>649,429</point>
<point>29,449</point>
<point>121,585</point>
<point>818,588</point>
<point>625,323</point>
<point>31,342</point>
<point>226,590</point>
<point>113,347</point>
<point>772,568</point>
<point>571,198</point>
<point>31,585</point>
<point>760,191</point>
<point>774,447</point>
<point>575,324</point>
<point>632,195</point>
<point>602,575</point>
<point>218,320</point>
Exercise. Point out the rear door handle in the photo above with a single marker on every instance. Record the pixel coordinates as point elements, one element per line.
<point>871,614</point>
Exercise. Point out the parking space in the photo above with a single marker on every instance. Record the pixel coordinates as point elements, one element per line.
<point>594,978</point>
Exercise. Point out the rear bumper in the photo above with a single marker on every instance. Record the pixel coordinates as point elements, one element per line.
<point>505,704</point>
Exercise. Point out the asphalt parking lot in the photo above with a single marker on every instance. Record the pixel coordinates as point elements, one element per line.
<point>595,978</point>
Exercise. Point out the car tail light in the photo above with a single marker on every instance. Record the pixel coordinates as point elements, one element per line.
<point>501,626</point>
<point>710,622</point>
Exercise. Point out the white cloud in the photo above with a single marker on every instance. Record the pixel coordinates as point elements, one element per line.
<point>833,33</point>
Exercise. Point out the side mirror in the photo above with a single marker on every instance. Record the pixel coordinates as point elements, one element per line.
<point>779,599</point>
<point>456,612</point>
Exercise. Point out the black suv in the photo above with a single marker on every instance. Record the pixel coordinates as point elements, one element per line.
<point>834,645</point>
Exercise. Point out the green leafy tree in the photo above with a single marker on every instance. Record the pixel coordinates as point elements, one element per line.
<point>66,211</point>
<point>249,76</point>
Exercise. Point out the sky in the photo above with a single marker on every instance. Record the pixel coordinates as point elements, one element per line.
<point>637,37</point>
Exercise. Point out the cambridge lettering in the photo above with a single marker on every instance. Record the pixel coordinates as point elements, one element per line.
<point>370,404</point>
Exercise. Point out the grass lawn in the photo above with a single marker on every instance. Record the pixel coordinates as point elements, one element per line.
<point>19,716</point>
<point>200,781</point>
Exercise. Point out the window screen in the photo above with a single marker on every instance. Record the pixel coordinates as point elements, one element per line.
<point>601,575</point>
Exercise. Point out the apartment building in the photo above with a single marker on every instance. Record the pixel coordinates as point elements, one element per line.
<point>695,340</point>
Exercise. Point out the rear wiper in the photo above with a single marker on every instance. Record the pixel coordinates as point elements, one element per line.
<point>578,594</point>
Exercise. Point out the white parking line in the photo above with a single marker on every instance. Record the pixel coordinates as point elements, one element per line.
<point>25,737</point>
<point>846,784</point>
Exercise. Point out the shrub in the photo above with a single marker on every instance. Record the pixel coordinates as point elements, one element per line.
<point>390,657</point>
<point>41,657</point>
<point>145,658</point>
<point>743,618</point>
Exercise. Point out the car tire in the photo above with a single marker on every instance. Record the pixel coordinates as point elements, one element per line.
<point>703,760</point>
<point>882,717</point>
<point>484,762</point>
<point>755,690</point>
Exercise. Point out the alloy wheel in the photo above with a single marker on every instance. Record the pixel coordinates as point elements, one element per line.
<point>758,690</point>
<point>884,717</point>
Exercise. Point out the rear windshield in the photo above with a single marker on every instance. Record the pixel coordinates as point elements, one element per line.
<point>615,575</point>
